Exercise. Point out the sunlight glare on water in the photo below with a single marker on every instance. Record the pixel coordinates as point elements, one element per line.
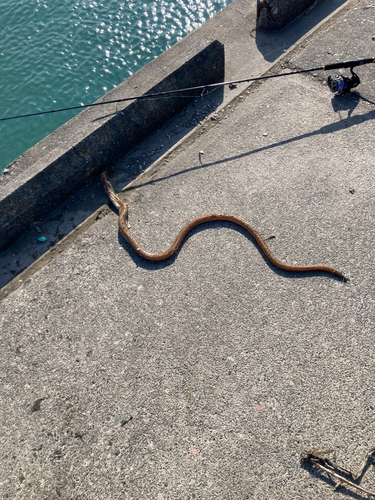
<point>60,54</point>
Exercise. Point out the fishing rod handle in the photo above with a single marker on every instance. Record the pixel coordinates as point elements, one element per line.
<point>349,64</point>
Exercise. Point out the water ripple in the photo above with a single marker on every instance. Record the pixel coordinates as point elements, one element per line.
<point>56,55</point>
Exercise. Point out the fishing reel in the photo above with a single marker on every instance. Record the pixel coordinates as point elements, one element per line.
<point>340,85</point>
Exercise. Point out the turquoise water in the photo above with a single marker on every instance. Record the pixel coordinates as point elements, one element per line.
<point>58,54</point>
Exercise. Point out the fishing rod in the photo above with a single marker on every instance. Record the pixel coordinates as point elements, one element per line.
<point>338,84</point>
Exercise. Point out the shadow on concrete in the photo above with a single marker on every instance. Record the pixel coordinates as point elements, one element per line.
<point>166,137</point>
<point>155,266</point>
<point>347,103</point>
<point>272,44</point>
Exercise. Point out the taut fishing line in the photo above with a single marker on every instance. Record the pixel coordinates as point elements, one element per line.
<point>338,84</point>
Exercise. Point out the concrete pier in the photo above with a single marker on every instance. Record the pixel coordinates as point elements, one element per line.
<point>210,374</point>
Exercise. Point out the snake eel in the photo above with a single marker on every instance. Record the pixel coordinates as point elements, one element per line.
<point>123,227</point>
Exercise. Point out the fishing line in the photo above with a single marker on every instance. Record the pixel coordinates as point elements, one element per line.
<point>338,84</point>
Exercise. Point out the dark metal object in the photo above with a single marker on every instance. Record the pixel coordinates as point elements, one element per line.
<point>342,84</point>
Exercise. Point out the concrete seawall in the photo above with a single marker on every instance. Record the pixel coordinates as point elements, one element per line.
<point>78,150</point>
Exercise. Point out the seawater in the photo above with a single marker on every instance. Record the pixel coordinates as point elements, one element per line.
<point>57,54</point>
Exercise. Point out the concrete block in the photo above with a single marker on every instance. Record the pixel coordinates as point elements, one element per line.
<point>276,14</point>
<point>70,157</point>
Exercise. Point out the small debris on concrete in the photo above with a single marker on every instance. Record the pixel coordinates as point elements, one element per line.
<point>200,157</point>
<point>193,451</point>
<point>320,459</point>
<point>36,406</point>
<point>261,407</point>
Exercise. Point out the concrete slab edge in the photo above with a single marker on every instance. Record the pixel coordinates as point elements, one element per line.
<point>90,140</point>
